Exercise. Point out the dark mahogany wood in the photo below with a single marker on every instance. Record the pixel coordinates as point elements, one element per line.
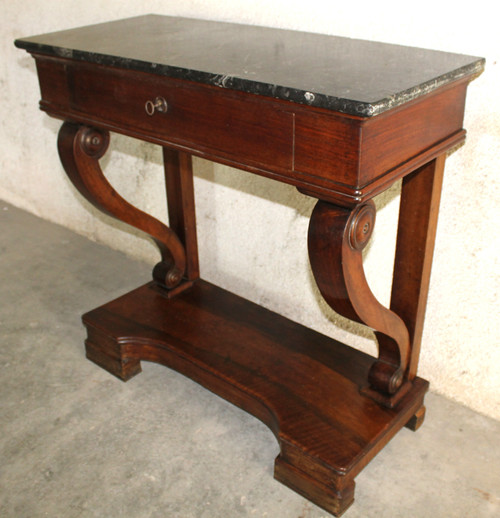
<point>337,237</point>
<point>80,149</point>
<point>181,207</point>
<point>331,156</point>
<point>418,215</point>
<point>301,384</point>
<point>331,408</point>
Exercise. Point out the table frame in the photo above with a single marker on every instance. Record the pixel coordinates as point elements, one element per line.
<point>332,408</point>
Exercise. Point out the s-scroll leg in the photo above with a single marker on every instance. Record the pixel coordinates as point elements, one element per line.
<point>336,239</point>
<point>80,148</point>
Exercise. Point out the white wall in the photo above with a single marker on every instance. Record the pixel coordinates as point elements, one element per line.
<point>253,231</point>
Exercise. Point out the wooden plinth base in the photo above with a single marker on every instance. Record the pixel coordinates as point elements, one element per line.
<point>303,385</point>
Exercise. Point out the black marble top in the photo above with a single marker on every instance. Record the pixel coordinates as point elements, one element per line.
<point>351,76</point>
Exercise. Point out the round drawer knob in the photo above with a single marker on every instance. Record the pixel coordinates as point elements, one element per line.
<point>159,105</point>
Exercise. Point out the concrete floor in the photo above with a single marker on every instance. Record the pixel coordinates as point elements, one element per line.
<point>77,442</point>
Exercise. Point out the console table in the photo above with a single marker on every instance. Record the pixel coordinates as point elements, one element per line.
<point>339,119</point>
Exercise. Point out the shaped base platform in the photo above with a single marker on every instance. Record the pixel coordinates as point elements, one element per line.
<point>303,385</point>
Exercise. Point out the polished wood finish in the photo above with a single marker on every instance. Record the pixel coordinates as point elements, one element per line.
<point>301,384</point>
<point>418,215</point>
<point>80,148</point>
<point>181,208</point>
<point>337,237</point>
<point>331,156</point>
<point>332,408</point>
<point>355,152</point>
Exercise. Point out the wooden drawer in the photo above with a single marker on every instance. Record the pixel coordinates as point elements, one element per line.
<point>201,118</point>
<point>333,156</point>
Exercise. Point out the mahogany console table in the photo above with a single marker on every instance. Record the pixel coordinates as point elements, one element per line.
<point>339,119</point>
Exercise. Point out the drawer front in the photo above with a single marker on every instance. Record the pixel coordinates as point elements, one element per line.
<point>327,155</point>
<point>205,119</point>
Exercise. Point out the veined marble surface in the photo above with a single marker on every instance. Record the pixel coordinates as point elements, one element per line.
<point>351,76</point>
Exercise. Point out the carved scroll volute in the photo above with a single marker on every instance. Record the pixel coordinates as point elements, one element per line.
<point>336,239</point>
<point>80,148</point>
